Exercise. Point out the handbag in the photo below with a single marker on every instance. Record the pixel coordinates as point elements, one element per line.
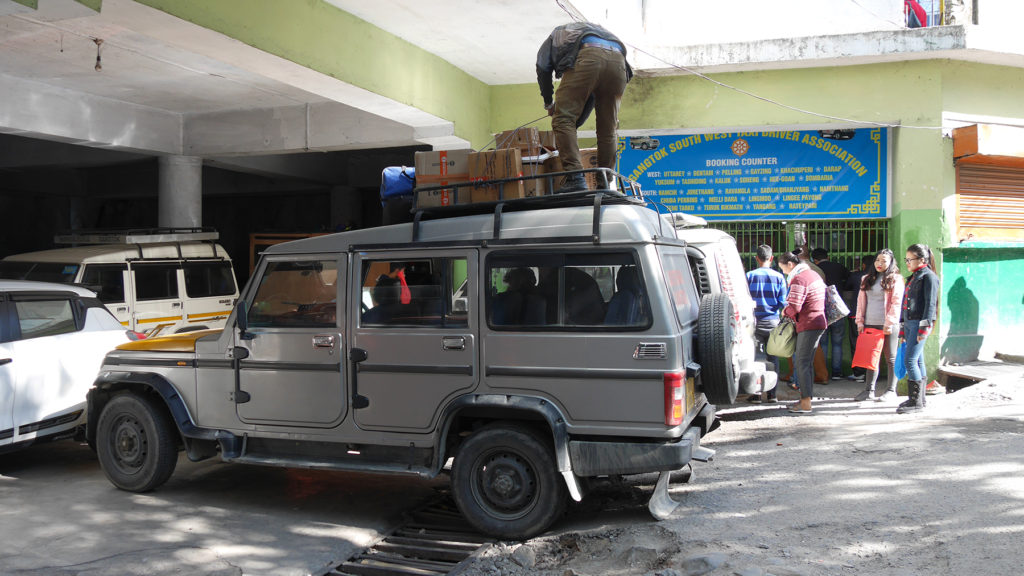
<point>835,308</point>
<point>869,349</point>
<point>901,363</point>
<point>782,339</point>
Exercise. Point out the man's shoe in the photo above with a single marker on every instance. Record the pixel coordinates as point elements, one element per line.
<point>573,183</point>
<point>837,377</point>
<point>754,398</point>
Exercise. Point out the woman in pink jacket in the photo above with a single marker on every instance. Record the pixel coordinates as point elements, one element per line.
<point>805,305</point>
<point>878,307</point>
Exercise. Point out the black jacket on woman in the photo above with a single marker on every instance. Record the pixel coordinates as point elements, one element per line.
<point>921,297</point>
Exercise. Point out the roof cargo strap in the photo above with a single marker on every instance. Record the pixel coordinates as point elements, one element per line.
<point>597,217</point>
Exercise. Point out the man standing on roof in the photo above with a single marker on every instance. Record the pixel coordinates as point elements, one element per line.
<point>591,62</point>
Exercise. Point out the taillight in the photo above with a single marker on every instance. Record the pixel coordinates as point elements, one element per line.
<point>673,398</point>
<point>133,335</point>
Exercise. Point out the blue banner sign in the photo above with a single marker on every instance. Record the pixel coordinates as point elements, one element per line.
<point>785,175</point>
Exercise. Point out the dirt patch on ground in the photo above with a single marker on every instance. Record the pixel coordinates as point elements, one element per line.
<point>852,489</point>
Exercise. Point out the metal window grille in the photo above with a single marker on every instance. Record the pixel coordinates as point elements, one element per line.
<point>846,240</point>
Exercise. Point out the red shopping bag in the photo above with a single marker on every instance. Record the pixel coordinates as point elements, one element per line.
<point>869,348</point>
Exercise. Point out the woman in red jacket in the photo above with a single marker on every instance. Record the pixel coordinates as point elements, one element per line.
<point>878,307</point>
<point>806,307</point>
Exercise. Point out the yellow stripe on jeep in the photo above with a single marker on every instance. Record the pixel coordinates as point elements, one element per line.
<point>209,314</point>
<point>185,342</point>
<point>154,320</point>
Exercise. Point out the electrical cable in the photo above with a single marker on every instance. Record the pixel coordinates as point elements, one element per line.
<point>756,96</point>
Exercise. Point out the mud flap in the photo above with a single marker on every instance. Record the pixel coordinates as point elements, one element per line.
<point>661,504</point>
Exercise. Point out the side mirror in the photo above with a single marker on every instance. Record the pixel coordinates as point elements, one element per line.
<point>242,321</point>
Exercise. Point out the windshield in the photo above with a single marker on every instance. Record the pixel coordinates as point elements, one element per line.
<point>39,271</point>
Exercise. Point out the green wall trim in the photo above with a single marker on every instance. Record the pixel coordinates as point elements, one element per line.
<point>319,36</point>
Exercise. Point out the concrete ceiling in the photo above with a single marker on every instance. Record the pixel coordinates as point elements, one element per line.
<point>165,86</point>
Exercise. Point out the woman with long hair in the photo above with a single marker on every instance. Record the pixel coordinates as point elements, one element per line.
<point>878,307</point>
<point>920,302</point>
<point>805,305</point>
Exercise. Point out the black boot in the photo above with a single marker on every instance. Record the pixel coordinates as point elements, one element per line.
<point>915,402</point>
<point>573,183</point>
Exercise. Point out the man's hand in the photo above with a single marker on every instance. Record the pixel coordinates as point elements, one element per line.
<point>550,108</point>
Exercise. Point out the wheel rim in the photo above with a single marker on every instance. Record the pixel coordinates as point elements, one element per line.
<point>505,484</point>
<point>128,444</point>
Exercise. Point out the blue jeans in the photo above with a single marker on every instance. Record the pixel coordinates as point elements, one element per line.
<point>803,360</point>
<point>833,338</point>
<point>914,354</point>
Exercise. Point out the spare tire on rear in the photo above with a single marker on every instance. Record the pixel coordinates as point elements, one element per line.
<point>714,349</point>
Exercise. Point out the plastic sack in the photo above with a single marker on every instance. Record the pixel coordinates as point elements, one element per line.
<point>869,349</point>
<point>396,182</point>
<point>901,362</point>
<point>782,339</point>
<point>835,308</point>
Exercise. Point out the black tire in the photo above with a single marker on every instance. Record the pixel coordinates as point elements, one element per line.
<point>506,483</point>
<point>136,443</point>
<point>714,349</point>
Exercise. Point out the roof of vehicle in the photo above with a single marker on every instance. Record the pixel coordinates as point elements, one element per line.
<point>31,286</point>
<point>703,235</point>
<point>105,253</point>
<point>619,223</point>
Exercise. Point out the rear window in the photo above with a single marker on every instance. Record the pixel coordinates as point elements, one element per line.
<point>680,286</point>
<point>205,279</point>
<point>45,317</point>
<point>39,271</point>
<point>107,280</point>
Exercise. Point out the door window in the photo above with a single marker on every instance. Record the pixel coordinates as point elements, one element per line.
<point>39,271</point>
<point>38,317</point>
<point>156,281</point>
<point>107,280</point>
<point>296,294</point>
<point>206,279</point>
<point>420,292</point>
<point>566,291</point>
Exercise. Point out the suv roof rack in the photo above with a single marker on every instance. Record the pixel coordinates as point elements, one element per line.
<point>137,235</point>
<point>613,188</point>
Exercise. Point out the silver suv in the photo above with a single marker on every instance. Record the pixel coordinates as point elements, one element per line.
<point>542,343</point>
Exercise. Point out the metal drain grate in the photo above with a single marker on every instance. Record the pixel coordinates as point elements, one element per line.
<point>432,543</point>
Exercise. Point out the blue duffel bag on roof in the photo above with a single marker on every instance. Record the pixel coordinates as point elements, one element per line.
<point>396,182</point>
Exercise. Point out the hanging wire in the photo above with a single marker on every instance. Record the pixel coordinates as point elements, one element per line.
<point>578,18</point>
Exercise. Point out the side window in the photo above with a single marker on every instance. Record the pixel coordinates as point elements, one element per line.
<point>205,279</point>
<point>296,294</point>
<point>564,291</point>
<point>156,281</point>
<point>39,271</point>
<point>680,282</point>
<point>420,292</point>
<point>107,280</point>
<point>38,317</point>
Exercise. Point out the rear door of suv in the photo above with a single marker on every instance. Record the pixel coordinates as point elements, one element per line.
<point>414,318</point>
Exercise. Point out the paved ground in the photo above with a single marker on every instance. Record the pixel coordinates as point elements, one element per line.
<point>852,489</point>
<point>59,516</point>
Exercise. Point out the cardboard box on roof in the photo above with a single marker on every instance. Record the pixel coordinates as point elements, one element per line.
<point>527,140</point>
<point>547,140</point>
<point>441,168</point>
<point>496,165</point>
<point>588,158</point>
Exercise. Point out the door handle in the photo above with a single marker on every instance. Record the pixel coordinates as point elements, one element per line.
<point>6,361</point>
<point>122,308</point>
<point>323,341</point>
<point>453,343</point>
<point>175,304</point>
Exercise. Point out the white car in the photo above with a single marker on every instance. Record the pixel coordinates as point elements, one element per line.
<point>53,338</point>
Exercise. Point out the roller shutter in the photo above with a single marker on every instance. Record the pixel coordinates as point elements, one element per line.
<point>990,201</point>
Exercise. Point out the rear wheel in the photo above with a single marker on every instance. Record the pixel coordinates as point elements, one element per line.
<point>714,346</point>
<point>136,443</point>
<point>506,483</point>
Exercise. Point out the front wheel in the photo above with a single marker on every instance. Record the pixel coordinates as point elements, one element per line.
<point>136,443</point>
<point>506,483</point>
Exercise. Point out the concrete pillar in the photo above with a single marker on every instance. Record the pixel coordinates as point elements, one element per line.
<point>180,191</point>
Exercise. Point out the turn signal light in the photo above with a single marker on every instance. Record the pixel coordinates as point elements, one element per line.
<point>673,398</point>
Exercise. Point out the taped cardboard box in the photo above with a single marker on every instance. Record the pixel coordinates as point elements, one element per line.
<point>588,158</point>
<point>441,168</point>
<point>444,196</point>
<point>495,165</point>
<point>547,140</point>
<point>527,140</point>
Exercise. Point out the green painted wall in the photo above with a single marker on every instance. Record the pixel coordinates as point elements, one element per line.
<point>983,295</point>
<point>321,37</point>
